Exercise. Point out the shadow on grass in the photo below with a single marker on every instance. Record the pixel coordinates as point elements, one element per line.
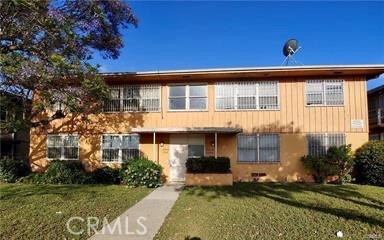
<point>285,193</point>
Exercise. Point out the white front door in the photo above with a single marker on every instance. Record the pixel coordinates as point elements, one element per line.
<point>178,153</point>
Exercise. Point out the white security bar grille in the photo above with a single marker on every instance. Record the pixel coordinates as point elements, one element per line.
<point>130,146</point>
<point>143,98</point>
<point>318,144</point>
<point>54,145</point>
<point>269,148</point>
<point>64,147</point>
<point>247,95</point>
<point>113,104</point>
<point>117,148</point>
<point>247,148</point>
<point>324,92</point>
<point>110,148</point>
<point>259,148</point>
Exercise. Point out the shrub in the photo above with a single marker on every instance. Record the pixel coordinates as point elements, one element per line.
<point>369,164</point>
<point>208,165</point>
<point>11,170</point>
<point>141,172</point>
<point>319,167</point>
<point>65,172</point>
<point>342,159</point>
<point>105,175</point>
<point>35,178</point>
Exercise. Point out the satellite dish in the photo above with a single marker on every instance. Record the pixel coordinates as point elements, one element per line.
<point>291,47</point>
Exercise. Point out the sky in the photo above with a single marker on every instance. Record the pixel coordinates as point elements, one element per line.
<point>188,35</point>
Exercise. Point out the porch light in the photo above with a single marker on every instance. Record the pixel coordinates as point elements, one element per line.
<point>212,143</point>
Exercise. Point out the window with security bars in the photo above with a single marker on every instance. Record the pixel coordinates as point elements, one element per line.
<point>117,148</point>
<point>64,147</point>
<point>130,98</point>
<point>318,144</point>
<point>258,148</point>
<point>188,97</point>
<point>247,95</point>
<point>324,92</point>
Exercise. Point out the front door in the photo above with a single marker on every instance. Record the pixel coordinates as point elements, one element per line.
<point>181,147</point>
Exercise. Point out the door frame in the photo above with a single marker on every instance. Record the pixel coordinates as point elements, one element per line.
<point>184,139</point>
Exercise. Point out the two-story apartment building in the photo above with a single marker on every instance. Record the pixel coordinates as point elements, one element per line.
<point>14,143</point>
<point>264,119</point>
<point>376,113</point>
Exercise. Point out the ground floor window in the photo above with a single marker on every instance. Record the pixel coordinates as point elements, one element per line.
<point>195,150</point>
<point>64,147</point>
<point>258,148</point>
<point>117,148</point>
<point>318,144</point>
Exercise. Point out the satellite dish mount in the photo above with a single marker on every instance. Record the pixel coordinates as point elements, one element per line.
<point>291,47</point>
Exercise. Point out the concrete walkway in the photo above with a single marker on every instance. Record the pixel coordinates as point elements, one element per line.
<point>144,219</point>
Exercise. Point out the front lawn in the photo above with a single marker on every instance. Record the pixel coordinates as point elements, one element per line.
<point>276,211</point>
<point>41,211</point>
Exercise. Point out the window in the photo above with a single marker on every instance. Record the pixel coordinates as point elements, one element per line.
<point>188,97</point>
<point>116,148</point>
<point>258,148</point>
<point>374,136</point>
<point>247,95</point>
<point>113,103</point>
<point>64,147</point>
<point>195,151</point>
<point>324,92</point>
<point>318,144</point>
<point>145,98</point>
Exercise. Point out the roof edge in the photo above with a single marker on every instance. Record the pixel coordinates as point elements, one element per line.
<point>251,69</point>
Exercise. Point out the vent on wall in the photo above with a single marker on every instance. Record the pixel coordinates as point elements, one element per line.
<point>258,175</point>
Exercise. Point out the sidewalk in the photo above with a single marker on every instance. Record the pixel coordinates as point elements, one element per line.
<point>144,219</point>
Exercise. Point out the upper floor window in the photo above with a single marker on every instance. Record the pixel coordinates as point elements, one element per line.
<point>64,147</point>
<point>144,98</point>
<point>318,144</point>
<point>258,148</point>
<point>381,102</point>
<point>247,95</point>
<point>117,148</point>
<point>188,97</point>
<point>324,92</point>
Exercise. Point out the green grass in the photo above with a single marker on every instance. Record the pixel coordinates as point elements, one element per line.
<point>276,211</point>
<point>32,211</point>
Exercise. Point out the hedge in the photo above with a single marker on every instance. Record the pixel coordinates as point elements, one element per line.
<point>369,164</point>
<point>208,165</point>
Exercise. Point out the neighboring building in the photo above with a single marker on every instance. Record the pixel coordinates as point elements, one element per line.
<point>13,144</point>
<point>376,113</point>
<point>264,119</point>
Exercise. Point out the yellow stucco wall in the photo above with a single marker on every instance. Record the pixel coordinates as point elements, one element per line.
<point>293,121</point>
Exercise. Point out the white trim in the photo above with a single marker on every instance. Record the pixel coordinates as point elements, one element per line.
<point>120,135</point>
<point>187,97</point>
<point>256,84</point>
<point>187,130</point>
<point>61,135</point>
<point>254,69</point>
<point>120,88</point>
<point>324,93</point>
<point>257,160</point>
